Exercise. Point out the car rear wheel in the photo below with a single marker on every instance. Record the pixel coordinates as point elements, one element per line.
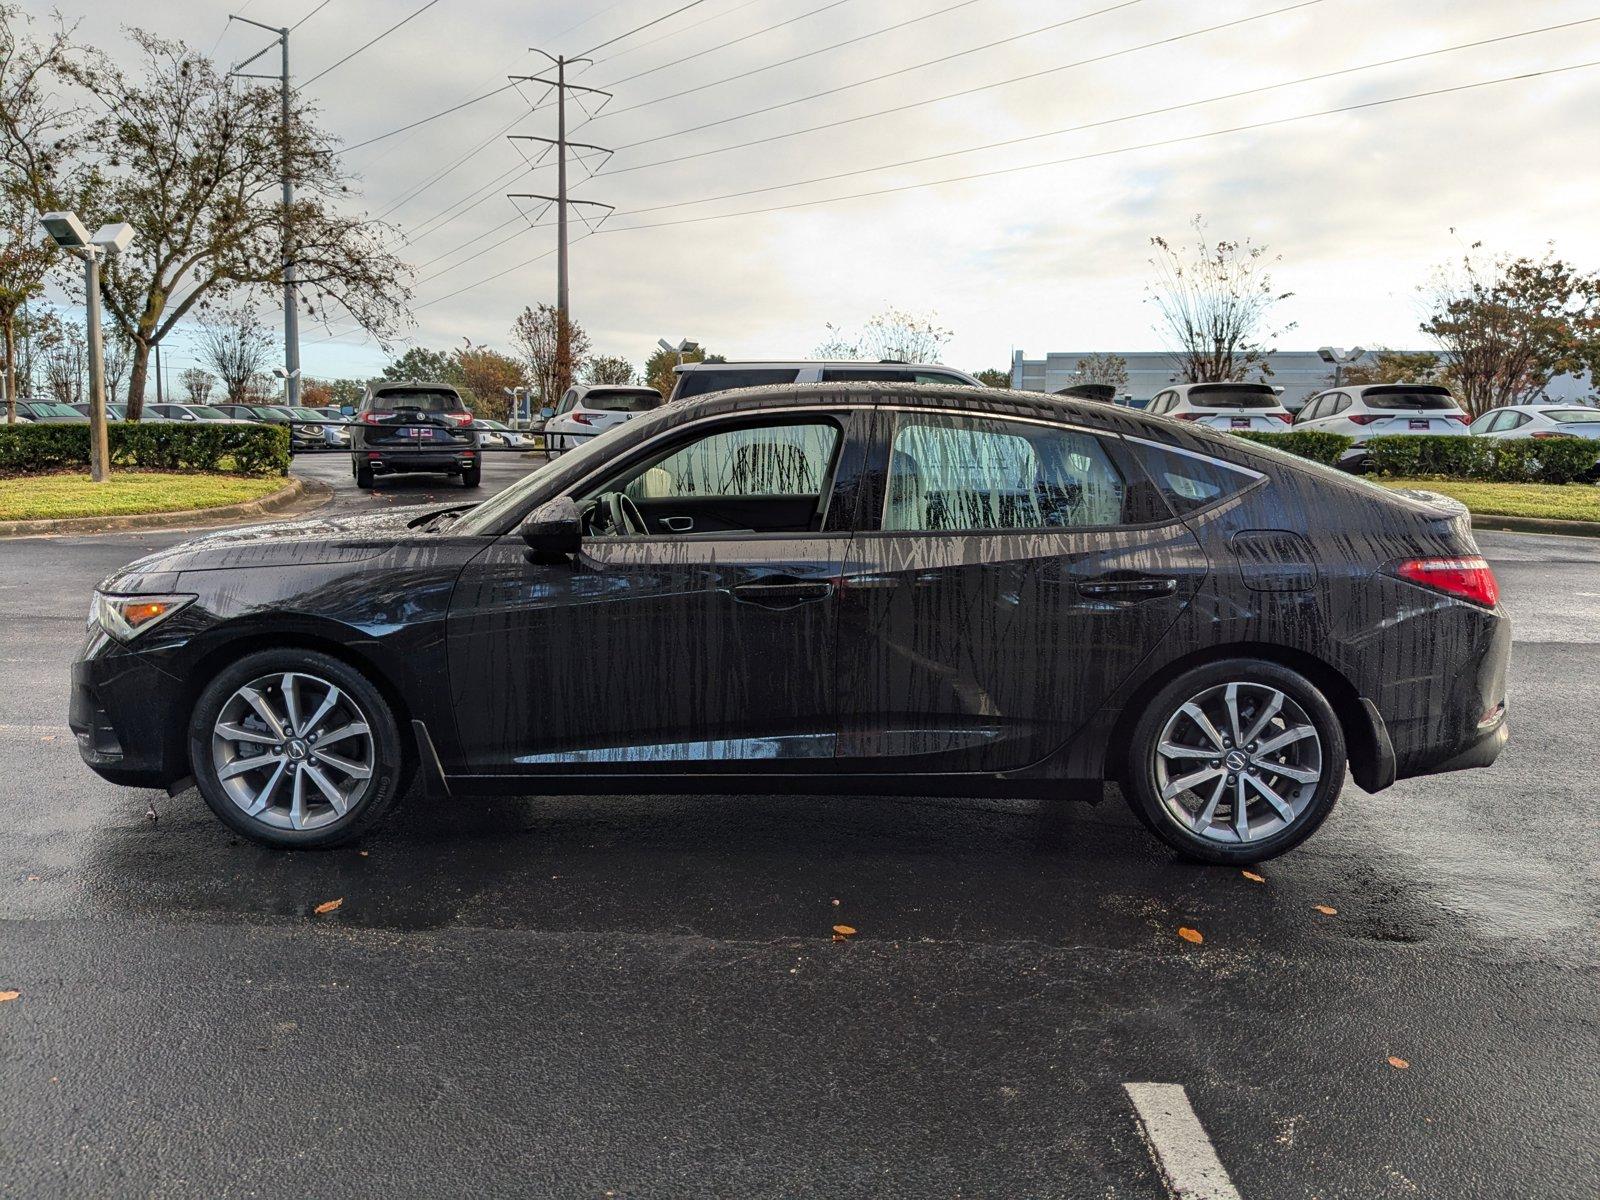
<point>472,476</point>
<point>1236,761</point>
<point>296,749</point>
<point>364,477</point>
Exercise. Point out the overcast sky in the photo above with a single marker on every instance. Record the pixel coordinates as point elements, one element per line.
<point>1358,204</point>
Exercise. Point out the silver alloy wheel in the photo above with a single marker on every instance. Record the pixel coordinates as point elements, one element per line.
<point>1237,763</point>
<point>293,750</point>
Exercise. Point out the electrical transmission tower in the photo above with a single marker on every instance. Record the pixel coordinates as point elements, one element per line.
<point>561,199</point>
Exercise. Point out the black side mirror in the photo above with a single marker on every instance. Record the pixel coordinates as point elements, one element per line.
<point>553,531</point>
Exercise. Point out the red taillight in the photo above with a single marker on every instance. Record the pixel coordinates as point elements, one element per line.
<point>581,418</point>
<point>1462,417</point>
<point>1189,416</point>
<point>1286,418</point>
<point>461,418</point>
<point>370,418</point>
<point>1551,433</point>
<point>1469,578</point>
<point>1362,418</point>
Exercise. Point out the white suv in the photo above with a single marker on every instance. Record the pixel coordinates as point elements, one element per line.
<point>1243,406</point>
<point>589,409</point>
<point>697,379</point>
<point>1382,409</point>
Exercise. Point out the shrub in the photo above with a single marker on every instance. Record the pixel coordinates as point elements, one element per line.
<point>1489,460</point>
<point>154,445</point>
<point>1316,444</point>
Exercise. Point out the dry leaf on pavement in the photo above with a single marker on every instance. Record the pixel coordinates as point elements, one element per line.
<point>327,906</point>
<point>845,930</point>
<point>1326,910</point>
<point>1191,935</point>
<point>10,994</point>
<point>1398,1064</point>
<point>1253,877</point>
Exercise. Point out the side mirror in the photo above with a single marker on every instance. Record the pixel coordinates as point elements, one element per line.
<point>553,532</point>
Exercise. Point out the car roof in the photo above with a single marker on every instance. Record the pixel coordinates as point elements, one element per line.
<point>799,363</point>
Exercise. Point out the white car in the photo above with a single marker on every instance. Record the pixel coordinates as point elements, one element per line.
<point>1242,406</point>
<point>1539,421</point>
<point>589,409</point>
<point>499,432</point>
<point>1384,409</point>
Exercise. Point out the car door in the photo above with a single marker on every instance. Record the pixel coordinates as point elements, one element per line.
<point>701,651</point>
<point>1008,575</point>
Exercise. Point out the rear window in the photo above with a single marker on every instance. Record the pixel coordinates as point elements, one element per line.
<point>1412,398</point>
<point>431,400</point>
<point>1233,396</point>
<point>700,383</point>
<point>642,400</point>
<point>1573,416</point>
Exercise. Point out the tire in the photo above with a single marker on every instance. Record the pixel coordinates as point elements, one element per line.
<point>1201,820</point>
<point>364,477</point>
<point>472,476</point>
<point>316,821</point>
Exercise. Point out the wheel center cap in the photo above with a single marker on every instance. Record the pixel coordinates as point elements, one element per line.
<point>297,750</point>
<point>1237,760</point>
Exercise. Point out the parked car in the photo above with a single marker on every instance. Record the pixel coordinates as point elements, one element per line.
<point>499,433</point>
<point>49,412</point>
<point>118,412</point>
<point>1249,406</point>
<point>853,588</point>
<point>587,410</point>
<point>701,379</point>
<point>1382,410</point>
<point>411,426</point>
<point>305,425</point>
<point>1539,421</point>
<point>205,413</point>
<point>336,430</point>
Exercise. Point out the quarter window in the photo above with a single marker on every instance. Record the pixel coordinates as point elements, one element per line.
<point>1188,482</point>
<point>950,473</point>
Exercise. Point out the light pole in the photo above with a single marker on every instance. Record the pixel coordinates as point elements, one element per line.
<point>1340,358</point>
<point>69,233</point>
<point>684,347</point>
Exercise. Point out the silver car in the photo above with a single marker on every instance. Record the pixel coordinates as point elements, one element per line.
<point>1539,421</point>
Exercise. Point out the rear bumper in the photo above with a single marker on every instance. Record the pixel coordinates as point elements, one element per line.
<point>398,461</point>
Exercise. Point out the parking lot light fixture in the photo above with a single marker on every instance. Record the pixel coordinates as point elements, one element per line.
<point>686,346</point>
<point>1340,358</point>
<point>68,232</point>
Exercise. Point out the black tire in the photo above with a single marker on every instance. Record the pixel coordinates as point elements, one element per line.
<point>364,477</point>
<point>1309,802</point>
<point>385,755</point>
<point>472,476</point>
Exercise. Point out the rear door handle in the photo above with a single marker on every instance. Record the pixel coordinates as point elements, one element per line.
<point>1131,587</point>
<point>678,524</point>
<point>777,592</point>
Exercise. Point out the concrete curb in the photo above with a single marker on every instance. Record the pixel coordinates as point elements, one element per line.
<point>295,490</point>
<point>1536,525</point>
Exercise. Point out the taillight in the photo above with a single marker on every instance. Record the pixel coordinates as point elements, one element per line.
<point>1362,418</point>
<point>462,419</point>
<point>1462,417</point>
<point>370,418</point>
<point>1468,578</point>
<point>1286,418</point>
<point>580,418</point>
<point>1551,433</point>
<point>1189,416</point>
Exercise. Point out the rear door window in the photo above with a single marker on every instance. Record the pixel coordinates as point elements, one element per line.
<point>700,383</point>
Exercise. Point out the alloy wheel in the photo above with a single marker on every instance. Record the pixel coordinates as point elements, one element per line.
<point>293,751</point>
<point>1239,762</point>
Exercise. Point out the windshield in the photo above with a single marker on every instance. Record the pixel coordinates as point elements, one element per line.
<point>639,401</point>
<point>491,512</point>
<point>309,414</point>
<point>432,400</point>
<point>209,413</point>
<point>271,412</point>
<point>1408,398</point>
<point>1573,416</point>
<point>1228,395</point>
<point>41,408</point>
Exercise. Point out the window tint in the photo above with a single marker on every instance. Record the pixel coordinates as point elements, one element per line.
<point>766,460</point>
<point>1386,398</point>
<point>640,400</point>
<point>1569,416</point>
<point>1188,482</point>
<point>940,377</point>
<point>1342,403</point>
<point>699,383</point>
<point>430,400</point>
<point>568,399</point>
<point>870,375</point>
<point>950,473</point>
<point>1485,423</point>
<point>1232,395</point>
<point>1311,411</point>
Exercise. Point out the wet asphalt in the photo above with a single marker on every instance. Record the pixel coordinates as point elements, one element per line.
<point>641,997</point>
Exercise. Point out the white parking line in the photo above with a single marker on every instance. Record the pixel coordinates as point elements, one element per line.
<point>1178,1142</point>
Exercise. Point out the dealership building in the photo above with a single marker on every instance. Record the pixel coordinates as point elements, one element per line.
<point>1300,373</point>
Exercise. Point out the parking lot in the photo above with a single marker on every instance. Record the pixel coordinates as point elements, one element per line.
<point>642,996</point>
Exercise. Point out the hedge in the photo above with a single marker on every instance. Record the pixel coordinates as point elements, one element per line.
<point>1488,460</point>
<point>157,446</point>
<point>1315,444</point>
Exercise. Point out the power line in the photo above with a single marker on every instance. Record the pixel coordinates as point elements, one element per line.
<point>684,58</point>
<point>682,29</point>
<point>424,120</point>
<point>373,42</point>
<point>641,28</point>
<point>309,15</point>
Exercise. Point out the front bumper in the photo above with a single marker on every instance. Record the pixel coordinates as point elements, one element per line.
<point>128,714</point>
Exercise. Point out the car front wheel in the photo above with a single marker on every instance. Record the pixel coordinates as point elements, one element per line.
<point>1236,761</point>
<point>296,749</point>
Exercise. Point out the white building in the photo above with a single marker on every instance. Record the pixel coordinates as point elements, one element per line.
<point>1301,374</point>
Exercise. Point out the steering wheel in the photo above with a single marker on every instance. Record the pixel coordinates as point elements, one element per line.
<point>626,519</point>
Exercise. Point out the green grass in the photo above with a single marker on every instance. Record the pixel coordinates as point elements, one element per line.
<point>47,497</point>
<point>1561,502</point>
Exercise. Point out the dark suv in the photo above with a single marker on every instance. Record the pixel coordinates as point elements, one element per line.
<point>410,426</point>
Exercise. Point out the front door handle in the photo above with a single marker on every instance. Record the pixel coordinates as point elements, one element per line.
<point>678,524</point>
<point>780,592</point>
<point>1128,587</point>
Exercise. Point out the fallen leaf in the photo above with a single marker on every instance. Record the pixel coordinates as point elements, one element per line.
<point>835,903</point>
<point>845,930</point>
<point>327,906</point>
<point>1326,910</point>
<point>8,995</point>
<point>1191,935</point>
<point>1253,877</point>
<point>363,853</point>
<point>1399,1064</point>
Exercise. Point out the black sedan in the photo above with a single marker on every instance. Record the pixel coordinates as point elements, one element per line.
<point>847,587</point>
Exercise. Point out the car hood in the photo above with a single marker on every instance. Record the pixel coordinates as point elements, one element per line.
<point>305,542</point>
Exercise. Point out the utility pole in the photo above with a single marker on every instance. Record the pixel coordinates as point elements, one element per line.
<point>291,314</point>
<point>561,199</point>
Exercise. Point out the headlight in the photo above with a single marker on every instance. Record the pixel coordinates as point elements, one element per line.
<point>126,617</point>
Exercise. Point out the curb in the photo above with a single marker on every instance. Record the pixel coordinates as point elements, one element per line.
<point>1536,525</point>
<point>295,490</point>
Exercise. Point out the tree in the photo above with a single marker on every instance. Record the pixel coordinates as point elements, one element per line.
<point>894,334</point>
<point>484,375</point>
<point>553,346</point>
<point>1511,324</point>
<point>1104,368</point>
<point>658,367</point>
<point>993,377</point>
<point>65,363</point>
<point>1215,301</point>
<point>344,393</point>
<point>425,366</point>
<point>608,368</point>
<point>197,385</point>
<point>1396,366</point>
<point>238,348</point>
<point>193,160</point>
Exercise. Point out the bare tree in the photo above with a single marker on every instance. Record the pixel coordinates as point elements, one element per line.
<point>197,385</point>
<point>64,363</point>
<point>894,334</point>
<point>1508,325</point>
<point>538,335</point>
<point>238,348</point>
<point>1104,368</point>
<point>608,368</point>
<point>1215,301</point>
